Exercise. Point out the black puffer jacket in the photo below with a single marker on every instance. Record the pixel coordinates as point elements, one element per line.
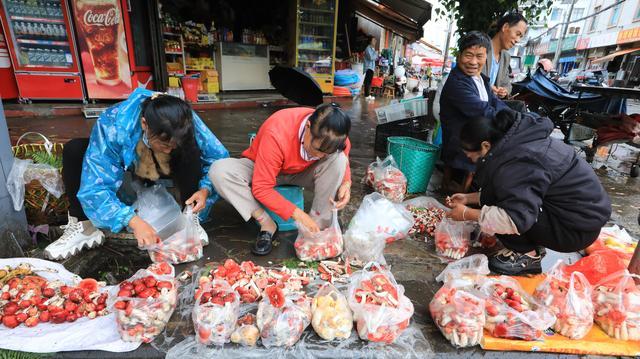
<point>527,172</point>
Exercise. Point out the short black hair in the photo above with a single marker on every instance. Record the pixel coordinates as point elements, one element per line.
<point>511,18</point>
<point>473,38</point>
<point>481,129</point>
<point>330,125</point>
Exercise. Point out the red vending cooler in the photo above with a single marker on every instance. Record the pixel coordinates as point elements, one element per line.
<point>8,86</point>
<point>42,49</point>
<point>105,41</point>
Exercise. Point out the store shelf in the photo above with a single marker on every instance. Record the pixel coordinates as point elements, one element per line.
<point>276,48</point>
<point>316,24</point>
<point>316,50</point>
<point>37,19</point>
<point>175,73</point>
<point>316,36</point>
<point>324,11</point>
<point>173,53</point>
<point>170,34</point>
<point>43,42</point>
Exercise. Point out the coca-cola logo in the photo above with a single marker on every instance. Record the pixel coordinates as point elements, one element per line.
<point>108,18</point>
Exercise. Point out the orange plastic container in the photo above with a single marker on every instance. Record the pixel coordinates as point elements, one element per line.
<point>190,87</point>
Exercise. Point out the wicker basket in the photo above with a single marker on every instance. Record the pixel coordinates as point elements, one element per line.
<point>40,206</point>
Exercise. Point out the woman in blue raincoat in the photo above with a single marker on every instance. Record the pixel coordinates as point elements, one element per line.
<point>152,135</point>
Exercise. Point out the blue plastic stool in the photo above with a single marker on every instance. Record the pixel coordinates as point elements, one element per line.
<point>295,195</point>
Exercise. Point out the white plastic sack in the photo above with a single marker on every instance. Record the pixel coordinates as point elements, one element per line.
<point>182,246</point>
<point>84,334</point>
<point>158,208</point>
<point>24,171</point>
<point>377,221</point>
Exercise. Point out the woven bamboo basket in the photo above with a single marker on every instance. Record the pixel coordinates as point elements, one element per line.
<point>40,206</point>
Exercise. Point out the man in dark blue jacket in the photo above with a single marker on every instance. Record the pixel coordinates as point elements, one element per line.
<point>465,95</point>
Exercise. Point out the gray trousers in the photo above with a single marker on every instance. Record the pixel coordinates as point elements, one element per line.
<point>232,177</point>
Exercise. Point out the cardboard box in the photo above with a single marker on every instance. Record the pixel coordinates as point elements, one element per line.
<point>211,87</point>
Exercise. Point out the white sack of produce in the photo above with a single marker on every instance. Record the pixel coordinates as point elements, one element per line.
<point>386,178</point>
<point>83,334</point>
<point>332,317</point>
<point>453,238</point>
<point>282,319</point>
<point>215,312</point>
<point>246,333</point>
<point>321,245</point>
<point>617,306</point>
<point>459,315</point>
<point>465,272</point>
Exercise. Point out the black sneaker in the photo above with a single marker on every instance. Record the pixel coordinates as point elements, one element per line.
<point>508,262</point>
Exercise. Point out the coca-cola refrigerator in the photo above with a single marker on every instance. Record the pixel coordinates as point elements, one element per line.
<point>107,50</point>
<point>8,86</point>
<point>39,35</point>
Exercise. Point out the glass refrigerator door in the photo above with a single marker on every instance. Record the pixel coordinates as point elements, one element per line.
<point>315,36</point>
<point>39,33</point>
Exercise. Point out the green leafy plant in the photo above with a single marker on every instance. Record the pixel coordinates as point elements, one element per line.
<point>44,157</point>
<point>12,354</point>
<point>480,14</point>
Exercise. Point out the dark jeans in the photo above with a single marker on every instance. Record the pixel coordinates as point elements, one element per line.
<point>72,156</point>
<point>550,232</point>
<point>368,76</point>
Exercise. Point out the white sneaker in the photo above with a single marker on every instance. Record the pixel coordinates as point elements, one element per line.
<point>204,237</point>
<point>77,236</point>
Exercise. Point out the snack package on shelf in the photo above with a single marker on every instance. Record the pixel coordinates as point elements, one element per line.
<point>215,312</point>
<point>459,315</point>
<point>377,221</point>
<point>465,272</point>
<point>452,238</point>
<point>325,244</point>
<point>569,299</point>
<point>282,318</point>
<point>183,246</point>
<point>427,213</point>
<point>616,300</point>
<point>331,315</point>
<point>380,308</point>
<point>145,303</point>
<point>511,312</point>
<point>246,333</point>
<point>386,178</point>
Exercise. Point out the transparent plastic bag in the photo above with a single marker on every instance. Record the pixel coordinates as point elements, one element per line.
<point>282,318</point>
<point>332,317</point>
<point>246,333</point>
<point>25,171</point>
<point>327,243</point>
<point>156,206</point>
<point>427,213</point>
<point>459,315</point>
<point>616,300</point>
<point>569,299</point>
<point>380,308</point>
<point>215,312</point>
<point>511,312</point>
<point>386,178</point>
<point>145,303</point>
<point>182,246</point>
<point>453,238</point>
<point>465,272</point>
<point>377,221</point>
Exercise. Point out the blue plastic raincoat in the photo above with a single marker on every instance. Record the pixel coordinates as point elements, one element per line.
<point>112,150</point>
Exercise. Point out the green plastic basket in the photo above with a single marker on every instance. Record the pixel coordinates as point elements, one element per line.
<point>416,159</point>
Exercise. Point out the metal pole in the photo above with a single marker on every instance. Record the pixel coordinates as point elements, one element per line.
<point>556,58</point>
<point>446,46</point>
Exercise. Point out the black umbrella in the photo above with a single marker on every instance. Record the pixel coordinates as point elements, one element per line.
<point>296,85</point>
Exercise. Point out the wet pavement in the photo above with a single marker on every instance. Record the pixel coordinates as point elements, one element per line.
<point>413,262</point>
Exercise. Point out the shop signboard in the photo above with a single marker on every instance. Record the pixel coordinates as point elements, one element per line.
<point>569,43</point>
<point>601,40</point>
<point>542,48</point>
<point>553,45</point>
<point>582,43</point>
<point>103,48</point>
<point>628,35</point>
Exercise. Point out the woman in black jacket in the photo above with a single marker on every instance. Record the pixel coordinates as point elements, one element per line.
<point>535,192</point>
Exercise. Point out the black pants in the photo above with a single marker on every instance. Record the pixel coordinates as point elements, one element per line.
<point>72,156</point>
<point>368,76</point>
<point>549,232</point>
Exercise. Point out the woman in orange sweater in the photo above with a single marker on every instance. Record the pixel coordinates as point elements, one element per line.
<point>297,146</point>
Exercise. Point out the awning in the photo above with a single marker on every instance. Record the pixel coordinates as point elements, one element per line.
<point>567,59</point>
<point>612,56</point>
<point>404,17</point>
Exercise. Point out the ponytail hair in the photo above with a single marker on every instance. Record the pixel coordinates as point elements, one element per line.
<point>482,129</point>
<point>171,119</point>
<point>330,126</point>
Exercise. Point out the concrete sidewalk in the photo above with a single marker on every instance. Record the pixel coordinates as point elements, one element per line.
<point>413,263</point>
